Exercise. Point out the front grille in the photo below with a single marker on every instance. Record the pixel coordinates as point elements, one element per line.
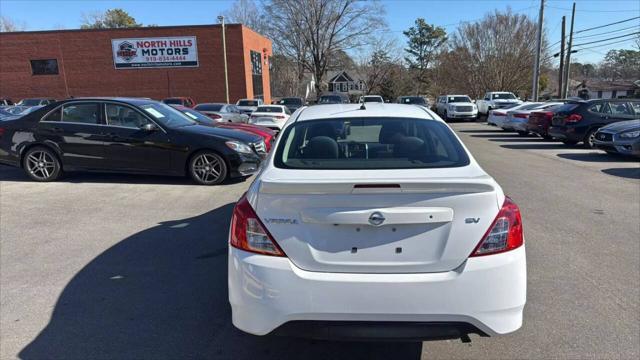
<point>604,136</point>
<point>464,108</point>
<point>260,148</point>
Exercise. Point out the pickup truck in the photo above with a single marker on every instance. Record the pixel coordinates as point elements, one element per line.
<point>496,100</point>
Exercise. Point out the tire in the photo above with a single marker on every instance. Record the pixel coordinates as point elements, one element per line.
<point>569,142</point>
<point>587,141</point>
<point>523,133</point>
<point>547,137</point>
<point>207,168</point>
<point>42,164</point>
<point>445,118</point>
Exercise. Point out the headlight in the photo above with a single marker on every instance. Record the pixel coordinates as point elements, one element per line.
<point>239,147</point>
<point>630,134</point>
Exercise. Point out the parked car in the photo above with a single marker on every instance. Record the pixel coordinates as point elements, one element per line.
<point>496,100</point>
<point>247,106</point>
<point>5,102</point>
<point>222,112</point>
<point>267,135</point>
<point>498,117</point>
<point>270,116</point>
<point>364,227</point>
<point>292,103</point>
<point>516,120</point>
<point>333,99</point>
<point>35,102</point>
<point>371,98</point>
<point>125,135</point>
<point>415,100</point>
<point>456,107</point>
<point>184,101</point>
<point>619,138</point>
<point>578,121</point>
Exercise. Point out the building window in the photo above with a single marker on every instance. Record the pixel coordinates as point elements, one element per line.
<point>44,67</point>
<point>614,94</point>
<point>330,87</point>
<point>344,87</point>
<point>599,94</point>
<point>256,74</point>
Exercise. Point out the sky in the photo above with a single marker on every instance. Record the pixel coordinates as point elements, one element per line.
<point>400,14</point>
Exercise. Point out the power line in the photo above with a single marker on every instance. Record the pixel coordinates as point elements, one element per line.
<point>605,33</point>
<point>616,37</point>
<point>605,25</point>
<point>593,11</point>
<point>607,44</point>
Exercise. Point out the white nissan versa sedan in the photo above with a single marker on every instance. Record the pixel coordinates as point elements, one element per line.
<point>375,221</point>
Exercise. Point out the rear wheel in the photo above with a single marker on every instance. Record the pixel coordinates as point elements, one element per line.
<point>41,164</point>
<point>208,168</point>
<point>589,139</point>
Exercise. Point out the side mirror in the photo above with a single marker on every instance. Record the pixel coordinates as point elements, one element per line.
<point>149,127</point>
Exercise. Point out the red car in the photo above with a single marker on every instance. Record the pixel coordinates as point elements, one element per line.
<point>267,134</point>
<point>539,123</point>
<point>184,101</point>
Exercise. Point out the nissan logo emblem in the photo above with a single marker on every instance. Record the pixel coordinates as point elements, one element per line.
<point>376,219</point>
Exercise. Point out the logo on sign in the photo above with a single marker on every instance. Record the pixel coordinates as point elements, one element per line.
<point>126,51</point>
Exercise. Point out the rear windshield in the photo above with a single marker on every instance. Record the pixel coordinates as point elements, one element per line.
<point>372,99</point>
<point>413,100</point>
<point>330,99</point>
<point>290,101</point>
<point>172,101</point>
<point>369,143</point>
<point>269,109</point>
<point>29,102</point>
<point>507,96</point>
<point>462,99</point>
<point>247,103</point>
<point>565,108</point>
<point>209,107</point>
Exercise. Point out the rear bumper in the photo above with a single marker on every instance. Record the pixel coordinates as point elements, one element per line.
<point>487,293</point>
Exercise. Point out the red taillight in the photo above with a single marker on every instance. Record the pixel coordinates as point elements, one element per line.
<point>521,116</point>
<point>504,234</point>
<point>548,115</point>
<point>214,116</point>
<point>495,113</point>
<point>279,117</point>
<point>2,130</point>
<point>248,233</point>
<point>573,118</point>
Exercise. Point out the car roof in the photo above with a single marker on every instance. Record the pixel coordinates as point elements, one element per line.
<point>222,104</point>
<point>132,101</point>
<point>341,111</point>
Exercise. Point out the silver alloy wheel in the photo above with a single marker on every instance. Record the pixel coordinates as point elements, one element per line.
<point>207,168</point>
<point>41,165</point>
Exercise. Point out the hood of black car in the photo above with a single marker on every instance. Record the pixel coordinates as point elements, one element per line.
<point>220,133</point>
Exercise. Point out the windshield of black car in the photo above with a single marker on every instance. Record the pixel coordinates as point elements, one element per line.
<point>247,103</point>
<point>459,99</point>
<point>290,101</point>
<point>330,99</point>
<point>209,107</point>
<point>29,102</point>
<point>197,116</point>
<point>269,109</point>
<point>167,116</point>
<point>369,143</point>
<point>507,96</point>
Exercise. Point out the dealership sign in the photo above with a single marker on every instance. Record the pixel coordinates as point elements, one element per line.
<point>155,52</point>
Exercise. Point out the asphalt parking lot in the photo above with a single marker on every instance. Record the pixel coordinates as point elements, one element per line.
<point>111,266</point>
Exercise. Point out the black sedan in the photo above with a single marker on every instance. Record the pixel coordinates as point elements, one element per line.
<point>128,136</point>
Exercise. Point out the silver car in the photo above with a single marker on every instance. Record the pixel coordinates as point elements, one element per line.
<point>222,112</point>
<point>517,119</point>
<point>621,137</point>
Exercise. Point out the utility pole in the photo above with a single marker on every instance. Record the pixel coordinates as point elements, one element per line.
<point>536,65</point>
<point>561,70</point>
<point>567,64</point>
<point>224,54</point>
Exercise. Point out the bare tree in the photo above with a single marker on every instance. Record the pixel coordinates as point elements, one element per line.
<point>247,13</point>
<point>8,25</point>
<point>378,65</point>
<point>312,31</point>
<point>495,53</point>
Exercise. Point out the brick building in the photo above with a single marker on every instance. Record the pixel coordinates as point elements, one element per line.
<point>154,62</point>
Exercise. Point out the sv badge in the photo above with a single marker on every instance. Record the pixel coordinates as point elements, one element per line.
<point>471,220</point>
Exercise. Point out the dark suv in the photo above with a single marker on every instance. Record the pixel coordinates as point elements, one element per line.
<point>578,121</point>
